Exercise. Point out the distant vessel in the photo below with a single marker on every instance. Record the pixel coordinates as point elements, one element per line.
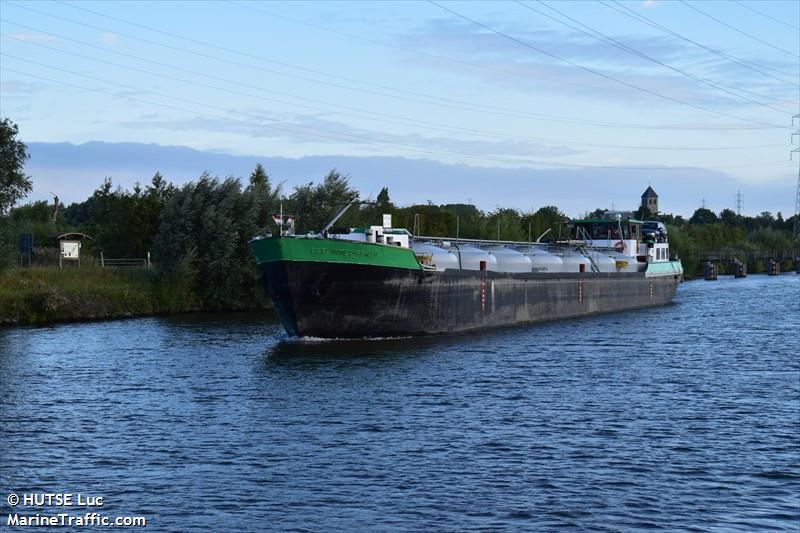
<point>382,281</point>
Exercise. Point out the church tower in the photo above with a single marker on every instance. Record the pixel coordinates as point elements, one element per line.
<point>650,200</point>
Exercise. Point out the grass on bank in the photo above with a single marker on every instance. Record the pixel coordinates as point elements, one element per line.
<point>43,295</point>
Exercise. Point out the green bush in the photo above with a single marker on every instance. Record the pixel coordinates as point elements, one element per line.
<point>201,246</point>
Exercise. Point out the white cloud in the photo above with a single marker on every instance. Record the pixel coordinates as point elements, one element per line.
<point>315,129</point>
<point>109,38</point>
<point>38,38</point>
<point>506,63</point>
<point>21,87</point>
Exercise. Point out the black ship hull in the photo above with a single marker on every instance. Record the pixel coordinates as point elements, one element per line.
<point>329,300</point>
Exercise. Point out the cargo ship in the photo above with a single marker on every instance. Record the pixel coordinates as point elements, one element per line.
<point>381,281</point>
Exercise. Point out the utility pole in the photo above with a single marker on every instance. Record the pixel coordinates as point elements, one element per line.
<point>797,208</point>
<point>739,203</point>
<point>796,229</point>
<point>703,203</point>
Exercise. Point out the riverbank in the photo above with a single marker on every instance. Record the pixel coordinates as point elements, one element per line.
<point>38,296</point>
<point>47,295</point>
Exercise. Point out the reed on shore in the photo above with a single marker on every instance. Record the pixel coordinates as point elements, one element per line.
<point>47,295</point>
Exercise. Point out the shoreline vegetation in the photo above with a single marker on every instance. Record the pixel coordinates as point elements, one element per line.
<point>43,296</point>
<point>39,296</point>
<point>197,235</point>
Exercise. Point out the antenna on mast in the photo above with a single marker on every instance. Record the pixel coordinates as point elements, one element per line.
<point>285,223</point>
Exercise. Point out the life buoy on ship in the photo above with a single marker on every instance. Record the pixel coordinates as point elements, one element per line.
<point>620,246</point>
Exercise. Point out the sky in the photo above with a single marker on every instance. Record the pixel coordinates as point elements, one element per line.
<point>520,104</point>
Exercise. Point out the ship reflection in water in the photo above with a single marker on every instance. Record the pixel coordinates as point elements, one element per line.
<point>676,417</point>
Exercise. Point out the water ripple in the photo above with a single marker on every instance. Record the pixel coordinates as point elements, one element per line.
<point>681,418</point>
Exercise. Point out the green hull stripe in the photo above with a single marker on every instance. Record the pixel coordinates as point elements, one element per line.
<point>333,251</point>
<point>664,269</point>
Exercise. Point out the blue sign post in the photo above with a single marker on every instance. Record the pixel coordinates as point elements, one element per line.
<point>25,247</point>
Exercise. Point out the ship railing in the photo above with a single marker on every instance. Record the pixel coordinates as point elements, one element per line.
<point>576,243</point>
<point>551,246</point>
<point>461,240</point>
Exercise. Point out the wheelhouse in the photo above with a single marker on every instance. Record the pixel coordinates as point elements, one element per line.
<point>646,241</point>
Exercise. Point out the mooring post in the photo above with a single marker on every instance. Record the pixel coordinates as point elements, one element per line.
<point>773,267</point>
<point>741,270</point>
<point>710,271</point>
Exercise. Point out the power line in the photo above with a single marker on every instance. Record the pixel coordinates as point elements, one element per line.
<point>737,30</point>
<point>628,12</point>
<point>602,37</point>
<point>449,102</point>
<point>754,10</point>
<point>542,163</point>
<point>227,49</point>
<point>596,72</point>
<point>319,132</point>
<point>403,121</point>
<point>352,80</point>
<point>439,57</point>
<point>718,85</point>
<point>443,101</point>
<point>131,87</point>
<point>314,131</point>
<point>429,54</point>
<point>363,114</point>
<point>252,56</point>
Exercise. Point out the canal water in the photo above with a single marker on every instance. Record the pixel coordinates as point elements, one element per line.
<point>682,418</point>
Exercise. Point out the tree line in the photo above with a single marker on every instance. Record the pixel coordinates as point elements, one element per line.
<point>197,233</point>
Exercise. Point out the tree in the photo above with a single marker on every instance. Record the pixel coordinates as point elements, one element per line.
<point>123,223</point>
<point>433,220</point>
<point>264,196</point>
<point>546,218</point>
<point>14,184</point>
<point>201,248</point>
<point>314,205</point>
<point>40,211</point>
<point>644,213</point>
<point>729,217</point>
<point>703,216</point>
<point>160,187</point>
<point>259,177</point>
<point>764,220</point>
<point>383,201</point>
<point>504,224</point>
